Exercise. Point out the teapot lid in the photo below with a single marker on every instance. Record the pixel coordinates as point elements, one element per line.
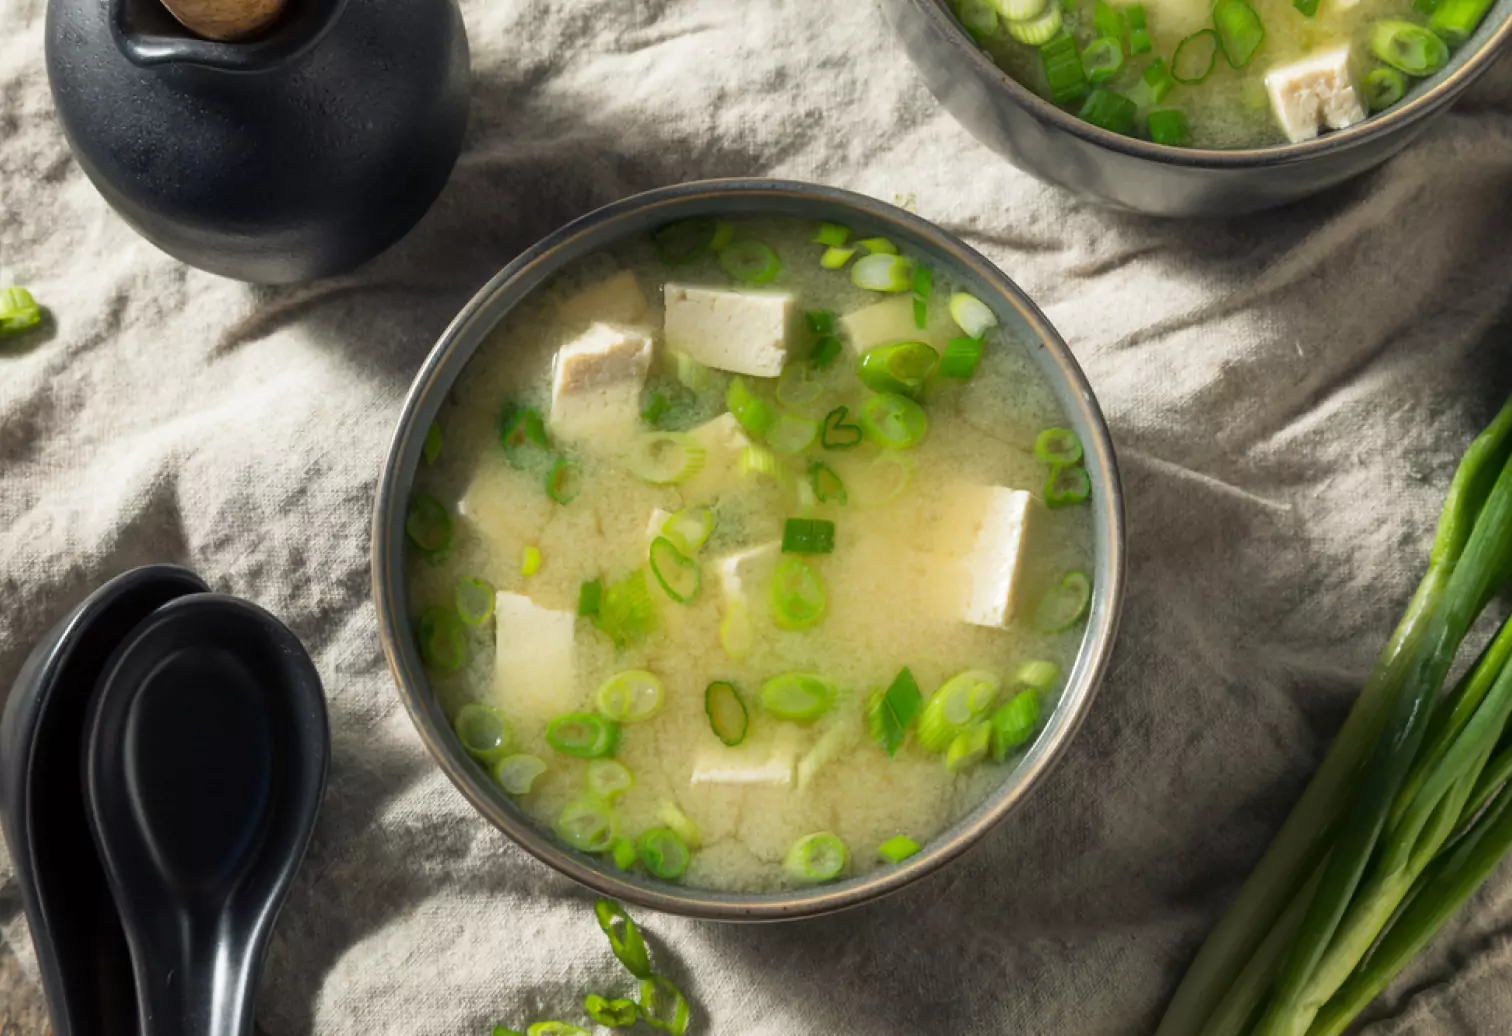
<point>230,35</point>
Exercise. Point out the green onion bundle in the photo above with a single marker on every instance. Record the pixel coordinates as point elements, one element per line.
<point>1408,814</point>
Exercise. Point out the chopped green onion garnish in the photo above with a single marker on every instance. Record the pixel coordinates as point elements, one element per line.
<point>1140,42</point>
<point>624,854</point>
<point>920,314</point>
<point>1195,57</point>
<point>612,1014</point>
<point>882,272</point>
<point>1058,446</point>
<point>582,735</point>
<point>563,482</point>
<point>655,408</point>
<point>1067,486</point>
<point>432,448</point>
<point>1454,20</point>
<point>727,713</point>
<point>797,386</point>
<point>808,536</point>
<point>960,358</point>
<point>1108,21</point>
<point>820,321</point>
<point>837,434</point>
<point>1062,65</point>
<point>630,697</point>
<point>691,374</point>
<point>678,574</point>
<point>483,731</point>
<point>735,633</point>
<point>825,351</point>
<point>427,524</point>
<point>1411,48</point>
<point>1158,80</point>
<point>555,1029</point>
<point>923,281</point>
<point>624,937</point>
<point>959,703</point>
<point>690,528</point>
<point>798,697</point>
<point>889,713</point>
<point>18,311</point>
<point>791,434</point>
<point>522,433</point>
<point>589,595</point>
<point>797,595</point>
<point>1240,31</point>
<point>971,314</point>
<point>1308,8</point>
<point>627,611</point>
<point>517,774</point>
<point>1064,605</point>
<point>969,748</point>
<point>1019,10</point>
<point>1039,30</point>
<point>530,560</point>
<point>608,779</point>
<point>680,822</point>
<point>760,462</point>
<point>750,261</point>
<point>663,852</point>
<point>898,849</point>
<point>1383,88</point>
<point>1014,723</point>
<point>443,639</point>
<point>815,858</point>
<point>878,246</point>
<point>724,233</point>
<point>586,824</point>
<point>678,244</point>
<point>1111,111</point>
<point>663,1006</point>
<point>1039,675</point>
<point>893,422</point>
<point>475,601</point>
<point>1103,59</point>
<point>666,458</point>
<point>832,234</point>
<point>1169,126</point>
<point>828,488</point>
<point>1134,14</point>
<point>836,258</point>
<point>884,480</point>
<point>754,413</point>
<point>902,367</point>
<point>979,16</point>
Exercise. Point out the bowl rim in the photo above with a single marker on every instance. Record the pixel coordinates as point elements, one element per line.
<point>1399,116</point>
<point>470,329</point>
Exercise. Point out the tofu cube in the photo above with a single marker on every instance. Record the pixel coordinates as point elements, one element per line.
<point>739,572</point>
<point>771,764</point>
<point>892,320</point>
<point>597,381</point>
<point>1314,92</point>
<point>996,556</point>
<point>723,439</point>
<point>613,300</point>
<point>535,672</point>
<point>740,331</point>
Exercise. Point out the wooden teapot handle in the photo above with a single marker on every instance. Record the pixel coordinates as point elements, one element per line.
<point>225,20</point>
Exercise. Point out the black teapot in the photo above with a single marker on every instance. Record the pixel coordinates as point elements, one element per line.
<point>297,149</point>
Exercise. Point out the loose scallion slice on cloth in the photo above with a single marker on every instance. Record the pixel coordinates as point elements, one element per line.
<point>624,937</point>
<point>816,858</point>
<point>612,1014</point>
<point>555,1029</point>
<point>582,735</point>
<point>727,713</point>
<point>663,852</point>
<point>890,713</point>
<point>1413,49</point>
<point>586,824</point>
<point>484,732</point>
<point>517,774</point>
<point>798,697</point>
<point>442,639</point>
<point>427,524</point>
<point>19,312</point>
<point>679,575</point>
<point>898,848</point>
<point>475,601</point>
<point>663,1006</point>
<point>630,697</point>
<point>797,595</point>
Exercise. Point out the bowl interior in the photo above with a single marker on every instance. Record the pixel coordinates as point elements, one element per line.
<point>642,215</point>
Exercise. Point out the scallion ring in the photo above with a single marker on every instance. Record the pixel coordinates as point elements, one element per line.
<point>892,421</point>
<point>1411,48</point>
<point>902,367</point>
<point>791,434</point>
<point>1064,605</point>
<point>443,639</point>
<point>750,261</point>
<point>816,858</point>
<point>630,697</point>
<point>586,824</point>
<point>663,852</point>
<point>882,272</point>
<point>798,697</point>
<point>727,713</point>
<point>582,735</point>
<point>690,528</point>
<point>678,574</point>
<point>837,433</point>
<point>427,524</point>
<point>475,601</point>
<point>1195,57</point>
<point>609,779</point>
<point>666,458</point>
<point>1058,446</point>
<point>483,731</point>
<point>959,703</point>
<point>612,1014</point>
<point>517,774</point>
<point>797,596</point>
<point>828,489</point>
<point>563,481</point>
<point>1067,486</point>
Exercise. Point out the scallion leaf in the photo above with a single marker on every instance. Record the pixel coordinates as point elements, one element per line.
<point>832,234</point>
<point>808,536</point>
<point>1453,21</point>
<point>889,713</point>
<point>589,594</point>
<point>431,451</point>
<point>727,713</point>
<point>960,358</point>
<point>1062,65</point>
<point>632,696</point>
<point>797,697</point>
<point>816,858</point>
<point>923,281</point>
<point>826,349</point>
<point>1108,21</point>
<point>828,489</point>
<point>820,321</point>
<point>442,639</point>
<point>1157,80</point>
<point>624,937</point>
<point>898,849</point>
<point>427,524</point>
<point>582,735</point>
<point>1014,723</point>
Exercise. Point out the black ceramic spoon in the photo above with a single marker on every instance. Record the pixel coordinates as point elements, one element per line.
<point>81,951</point>
<point>205,764</point>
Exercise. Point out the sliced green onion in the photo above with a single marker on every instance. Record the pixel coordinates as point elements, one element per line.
<point>1134,15</point>
<point>517,774</point>
<point>690,528</point>
<point>624,937</point>
<point>590,594</point>
<point>522,433</point>
<point>961,701</point>
<point>791,434</point>
<point>1039,30</point>
<point>878,246</point>
<point>608,779</point>
<point>898,848</point>
<point>666,458</point>
<point>1038,674</point>
<point>1411,48</point>
<point>681,823</point>
<point>797,385</point>
<point>1020,10</point>
<point>582,735</point>
<point>18,311</point>
<point>837,434</point>
<point>750,261</point>
<point>960,358</point>
<point>475,601</point>
<point>971,314</point>
<point>427,524</point>
<point>798,697</point>
<point>1014,723</point>
<point>1195,57</point>
<point>655,408</point>
<point>923,282</point>
<point>678,244</point>
<point>555,1029</point>
<point>1308,8</point>
<point>902,367</point>
<point>1383,88</point>
<point>1111,111</point>
<point>1240,31</point>
<point>979,16</point>
<point>1169,126</point>
<point>828,489</point>
<point>1140,42</point>
<point>630,697</point>
<point>586,824</point>
<point>920,314</point>
<point>1427,7</point>
<point>969,748</point>
<point>1158,80</point>
<point>832,234</point>
<point>760,462</point>
<point>1067,486</point>
<point>882,272</point>
<point>816,858</point>
<point>483,731</point>
<point>808,536</point>
<point>735,633</point>
<point>624,854</point>
<point>824,352</point>
<point>663,1006</point>
<point>443,639</point>
<point>1108,21</point>
<point>893,422</point>
<point>889,713</point>
<point>612,1014</point>
<point>797,595</point>
<point>1453,21</point>
<point>836,258</point>
<point>1062,65</point>
<point>691,374</point>
<point>663,852</point>
<point>724,233</point>
<point>678,574</point>
<point>1064,605</point>
<point>1103,59</point>
<point>885,479</point>
<point>1058,446</point>
<point>563,481</point>
<point>431,451</point>
<point>754,413</point>
<point>627,611</point>
<point>530,560</point>
<point>727,713</point>
<point>820,321</point>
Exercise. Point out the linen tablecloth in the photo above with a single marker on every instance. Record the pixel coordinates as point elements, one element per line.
<point>1288,392</point>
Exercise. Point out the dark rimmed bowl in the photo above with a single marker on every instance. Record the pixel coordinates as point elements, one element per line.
<point>1129,173</point>
<point>641,215</point>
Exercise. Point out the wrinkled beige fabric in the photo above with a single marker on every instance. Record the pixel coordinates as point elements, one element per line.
<point>1289,393</point>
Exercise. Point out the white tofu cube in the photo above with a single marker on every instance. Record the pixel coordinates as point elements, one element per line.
<point>997,556</point>
<point>722,439</point>
<point>741,331</point>
<point>613,300</point>
<point>1314,92</point>
<point>597,381</point>
<point>892,320</point>
<point>739,572</point>
<point>535,672</point>
<point>771,763</point>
